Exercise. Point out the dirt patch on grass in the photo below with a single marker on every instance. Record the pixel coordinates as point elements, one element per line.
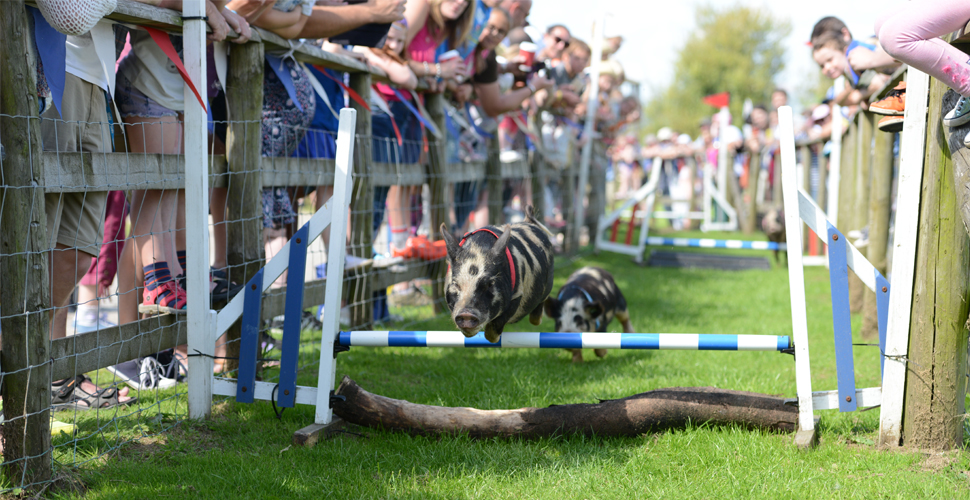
<point>938,461</point>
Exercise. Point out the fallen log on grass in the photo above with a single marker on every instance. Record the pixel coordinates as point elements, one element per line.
<point>642,413</point>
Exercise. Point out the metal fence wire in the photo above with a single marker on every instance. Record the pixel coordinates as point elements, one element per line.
<point>93,217</point>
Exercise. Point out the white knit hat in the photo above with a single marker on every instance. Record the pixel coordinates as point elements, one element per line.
<point>75,17</point>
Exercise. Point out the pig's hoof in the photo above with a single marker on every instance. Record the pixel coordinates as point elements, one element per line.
<point>577,355</point>
<point>492,337</point>
<point>600,353</point>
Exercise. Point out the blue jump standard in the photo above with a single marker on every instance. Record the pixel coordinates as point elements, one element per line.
<point>708,243</point>
<point>655,341</point>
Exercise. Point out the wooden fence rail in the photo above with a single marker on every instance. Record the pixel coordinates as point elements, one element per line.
<point>30,360</point>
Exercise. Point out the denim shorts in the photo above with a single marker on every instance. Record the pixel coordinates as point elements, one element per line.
<point>132,102</point>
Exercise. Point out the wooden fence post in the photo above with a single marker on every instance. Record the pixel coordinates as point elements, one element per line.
<point>25,302</point>
<point>437,184</point>
<point>935,387</point>
<point>879,212</point>
<point>538,171</point>
<point>859,198</point>
<point>569,196</point>
<point>244,206</point>
<point>362,205</point>
<point>493,180</point>
<point>749,224</point>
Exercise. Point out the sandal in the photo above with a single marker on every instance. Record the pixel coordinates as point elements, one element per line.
<point>67,394</point>
<point>224,290</point>
<point>166,298</point>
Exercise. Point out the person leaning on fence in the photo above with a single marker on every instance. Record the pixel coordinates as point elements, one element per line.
<point>554,42</point>
<point>486,88</point>
<point>911,32</point>
<point>72,122</point>
<point>431,23</point>
<point>864,63</point>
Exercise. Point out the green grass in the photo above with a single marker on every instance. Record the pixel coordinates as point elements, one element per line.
<point>243,450</point>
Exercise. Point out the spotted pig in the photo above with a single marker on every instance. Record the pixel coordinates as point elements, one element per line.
<point>587,303</point>
<point>497,276</point>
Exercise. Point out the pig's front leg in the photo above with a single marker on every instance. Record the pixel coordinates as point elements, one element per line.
<point>624,317</point>
<point>535,317</point>
<point>493,332</point>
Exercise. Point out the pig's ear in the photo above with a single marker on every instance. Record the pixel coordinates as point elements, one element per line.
<point>450,242</point>
<point>594,310</point>
<point>551,306</point>
<point>530,214</point>
<point>503,241</point>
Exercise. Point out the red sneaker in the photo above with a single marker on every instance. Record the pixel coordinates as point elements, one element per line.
<point>166,298</point>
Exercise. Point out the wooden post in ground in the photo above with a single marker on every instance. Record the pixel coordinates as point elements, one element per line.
<point>823,176</point>
<point>847,194</point>
<point>244,207</point>
<point>859,216</point>
<point>936,383</point>
<point>437,184</point>
<point>25,302</point>
<point>362,206</point>
<point>569,197</point>
<point>880,195</point>
<point>493,179</point>
<point>750,222</point>
<point>537,169</point>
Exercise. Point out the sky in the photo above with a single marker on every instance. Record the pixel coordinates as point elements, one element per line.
<point>654,30</point>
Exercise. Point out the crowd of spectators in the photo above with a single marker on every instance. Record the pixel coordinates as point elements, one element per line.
<point>527,88</point>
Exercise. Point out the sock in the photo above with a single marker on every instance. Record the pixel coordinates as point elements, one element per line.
<point>180,254</point>
<point>156,274</point>
<point>399,237</point>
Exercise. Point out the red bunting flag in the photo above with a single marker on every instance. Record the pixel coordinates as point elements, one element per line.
<point>718,100</point>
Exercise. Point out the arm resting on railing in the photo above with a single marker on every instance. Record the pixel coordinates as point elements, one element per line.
<point>330,20</point>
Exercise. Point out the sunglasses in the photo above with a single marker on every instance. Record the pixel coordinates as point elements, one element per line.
<point>565,43</point>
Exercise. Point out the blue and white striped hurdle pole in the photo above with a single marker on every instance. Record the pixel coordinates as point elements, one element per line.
<point>709,243</point>
<point>654,341</point>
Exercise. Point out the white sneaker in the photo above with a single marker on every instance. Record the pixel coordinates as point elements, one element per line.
<point>143,374</point>
<point>959,115</point>
<point>966,140</point>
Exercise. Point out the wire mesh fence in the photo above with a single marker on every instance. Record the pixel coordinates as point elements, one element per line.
<point>94,249</point>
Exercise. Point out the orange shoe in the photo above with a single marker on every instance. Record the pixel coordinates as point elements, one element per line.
<point>894,104</point>
<point>427,250</point>
<point>890,124</point>
<point>407,252</point>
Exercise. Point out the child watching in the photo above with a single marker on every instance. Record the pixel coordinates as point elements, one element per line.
<point>862,62</point>
<point>910,35</point>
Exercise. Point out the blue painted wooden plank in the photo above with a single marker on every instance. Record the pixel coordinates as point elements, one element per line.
<point>841,319</point>
<point>293,316</point>
<point>882,314</point>
<point>249,342</point>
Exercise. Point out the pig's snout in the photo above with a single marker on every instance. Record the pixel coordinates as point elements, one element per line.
<point>468,322</point>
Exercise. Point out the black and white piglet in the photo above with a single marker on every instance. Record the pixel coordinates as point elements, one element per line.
<point>587,303</point>
<point>497,276</point>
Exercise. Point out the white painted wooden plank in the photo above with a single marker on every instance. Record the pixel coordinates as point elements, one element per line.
<point>620,248</point>
<point>829,400</point>
<point>264,391</point>
<point>815,218</point>
<point>274,268</point>
<point>911,151</point>
<point>198,325</point>
<point>796,274</point>
<point>335,262</point>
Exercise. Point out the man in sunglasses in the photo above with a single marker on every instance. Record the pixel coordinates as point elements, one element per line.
<point>555,41</point>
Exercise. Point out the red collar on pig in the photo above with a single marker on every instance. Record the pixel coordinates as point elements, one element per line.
<point>508,253</point>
